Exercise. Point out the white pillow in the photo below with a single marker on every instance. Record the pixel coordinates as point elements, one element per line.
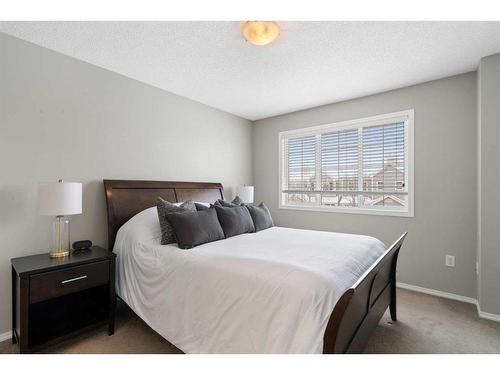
<point>143,227</point>
<point>202,203</point>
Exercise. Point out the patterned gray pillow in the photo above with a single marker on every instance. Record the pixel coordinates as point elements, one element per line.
<point>164,207</point>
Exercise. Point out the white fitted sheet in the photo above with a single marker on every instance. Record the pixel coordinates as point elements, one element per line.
<point>266,292</point>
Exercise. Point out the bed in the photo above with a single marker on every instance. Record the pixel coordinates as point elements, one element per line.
<point>279,290</point>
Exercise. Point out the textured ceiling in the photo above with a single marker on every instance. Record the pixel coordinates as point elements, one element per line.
<point>311,63</point>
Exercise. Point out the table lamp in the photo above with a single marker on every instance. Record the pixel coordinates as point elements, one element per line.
<point>245,193</point>
<point>60,199</point>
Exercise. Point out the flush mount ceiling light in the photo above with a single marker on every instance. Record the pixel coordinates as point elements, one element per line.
<point>261,33</point>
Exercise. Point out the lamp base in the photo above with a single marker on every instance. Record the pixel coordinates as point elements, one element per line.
<point>60,238</point>
<point>59,253</point>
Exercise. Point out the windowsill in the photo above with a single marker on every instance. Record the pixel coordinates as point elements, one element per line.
<point>349,210</point>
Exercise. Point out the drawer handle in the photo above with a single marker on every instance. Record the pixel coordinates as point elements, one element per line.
<point>74,279</point>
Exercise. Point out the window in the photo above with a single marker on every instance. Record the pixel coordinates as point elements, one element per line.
<point>358,166</point>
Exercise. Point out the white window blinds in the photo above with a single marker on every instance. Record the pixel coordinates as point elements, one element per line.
<point>361,165</point>
<point>301,163</point>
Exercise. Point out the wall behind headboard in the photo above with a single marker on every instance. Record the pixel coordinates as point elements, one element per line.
<point>64,118</point>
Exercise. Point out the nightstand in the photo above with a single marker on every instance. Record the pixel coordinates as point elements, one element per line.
<point>53,299</point>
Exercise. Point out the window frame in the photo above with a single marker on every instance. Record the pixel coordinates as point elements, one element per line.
<point>382,119</point>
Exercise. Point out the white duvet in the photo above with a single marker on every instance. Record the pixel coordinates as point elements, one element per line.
<point>267,292</point>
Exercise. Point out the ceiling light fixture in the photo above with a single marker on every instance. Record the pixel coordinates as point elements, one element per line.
<point>260,33</point>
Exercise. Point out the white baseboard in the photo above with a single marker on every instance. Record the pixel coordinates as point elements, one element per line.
<point>5,336</point>
<point>486,315</point>
<point>452,296</point>
<point>437,293</point>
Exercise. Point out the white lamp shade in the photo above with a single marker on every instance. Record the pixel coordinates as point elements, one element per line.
<point>245,193</point>
<point>60,198</point>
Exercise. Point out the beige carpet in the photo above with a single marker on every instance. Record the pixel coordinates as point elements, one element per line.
<point>426,324</point>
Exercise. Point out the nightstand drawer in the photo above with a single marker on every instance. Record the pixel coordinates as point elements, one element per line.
<point>53,284</point>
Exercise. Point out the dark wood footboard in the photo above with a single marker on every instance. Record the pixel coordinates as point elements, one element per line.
<point>359,310</point>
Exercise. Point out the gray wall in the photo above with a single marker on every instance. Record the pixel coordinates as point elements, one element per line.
<point>445,180</point>
<point>489,217</point>
<point>60,117</point>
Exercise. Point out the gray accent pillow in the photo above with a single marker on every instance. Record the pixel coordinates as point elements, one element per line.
<point>234,203</point>
<point>237,200</point>
<point>195,228</point>
<point>235,220</point>
<point>261,217</point>
<point>164,207</point>
<point>201,207</point>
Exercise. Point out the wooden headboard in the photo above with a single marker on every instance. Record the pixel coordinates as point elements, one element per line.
<point>125,198</point>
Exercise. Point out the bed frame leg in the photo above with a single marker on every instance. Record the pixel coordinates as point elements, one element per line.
<point>392,306</point>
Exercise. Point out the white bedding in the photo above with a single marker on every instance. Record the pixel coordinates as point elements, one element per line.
<point>266,292</point>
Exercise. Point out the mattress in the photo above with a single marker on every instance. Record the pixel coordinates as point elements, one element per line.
<point>267,292</point>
